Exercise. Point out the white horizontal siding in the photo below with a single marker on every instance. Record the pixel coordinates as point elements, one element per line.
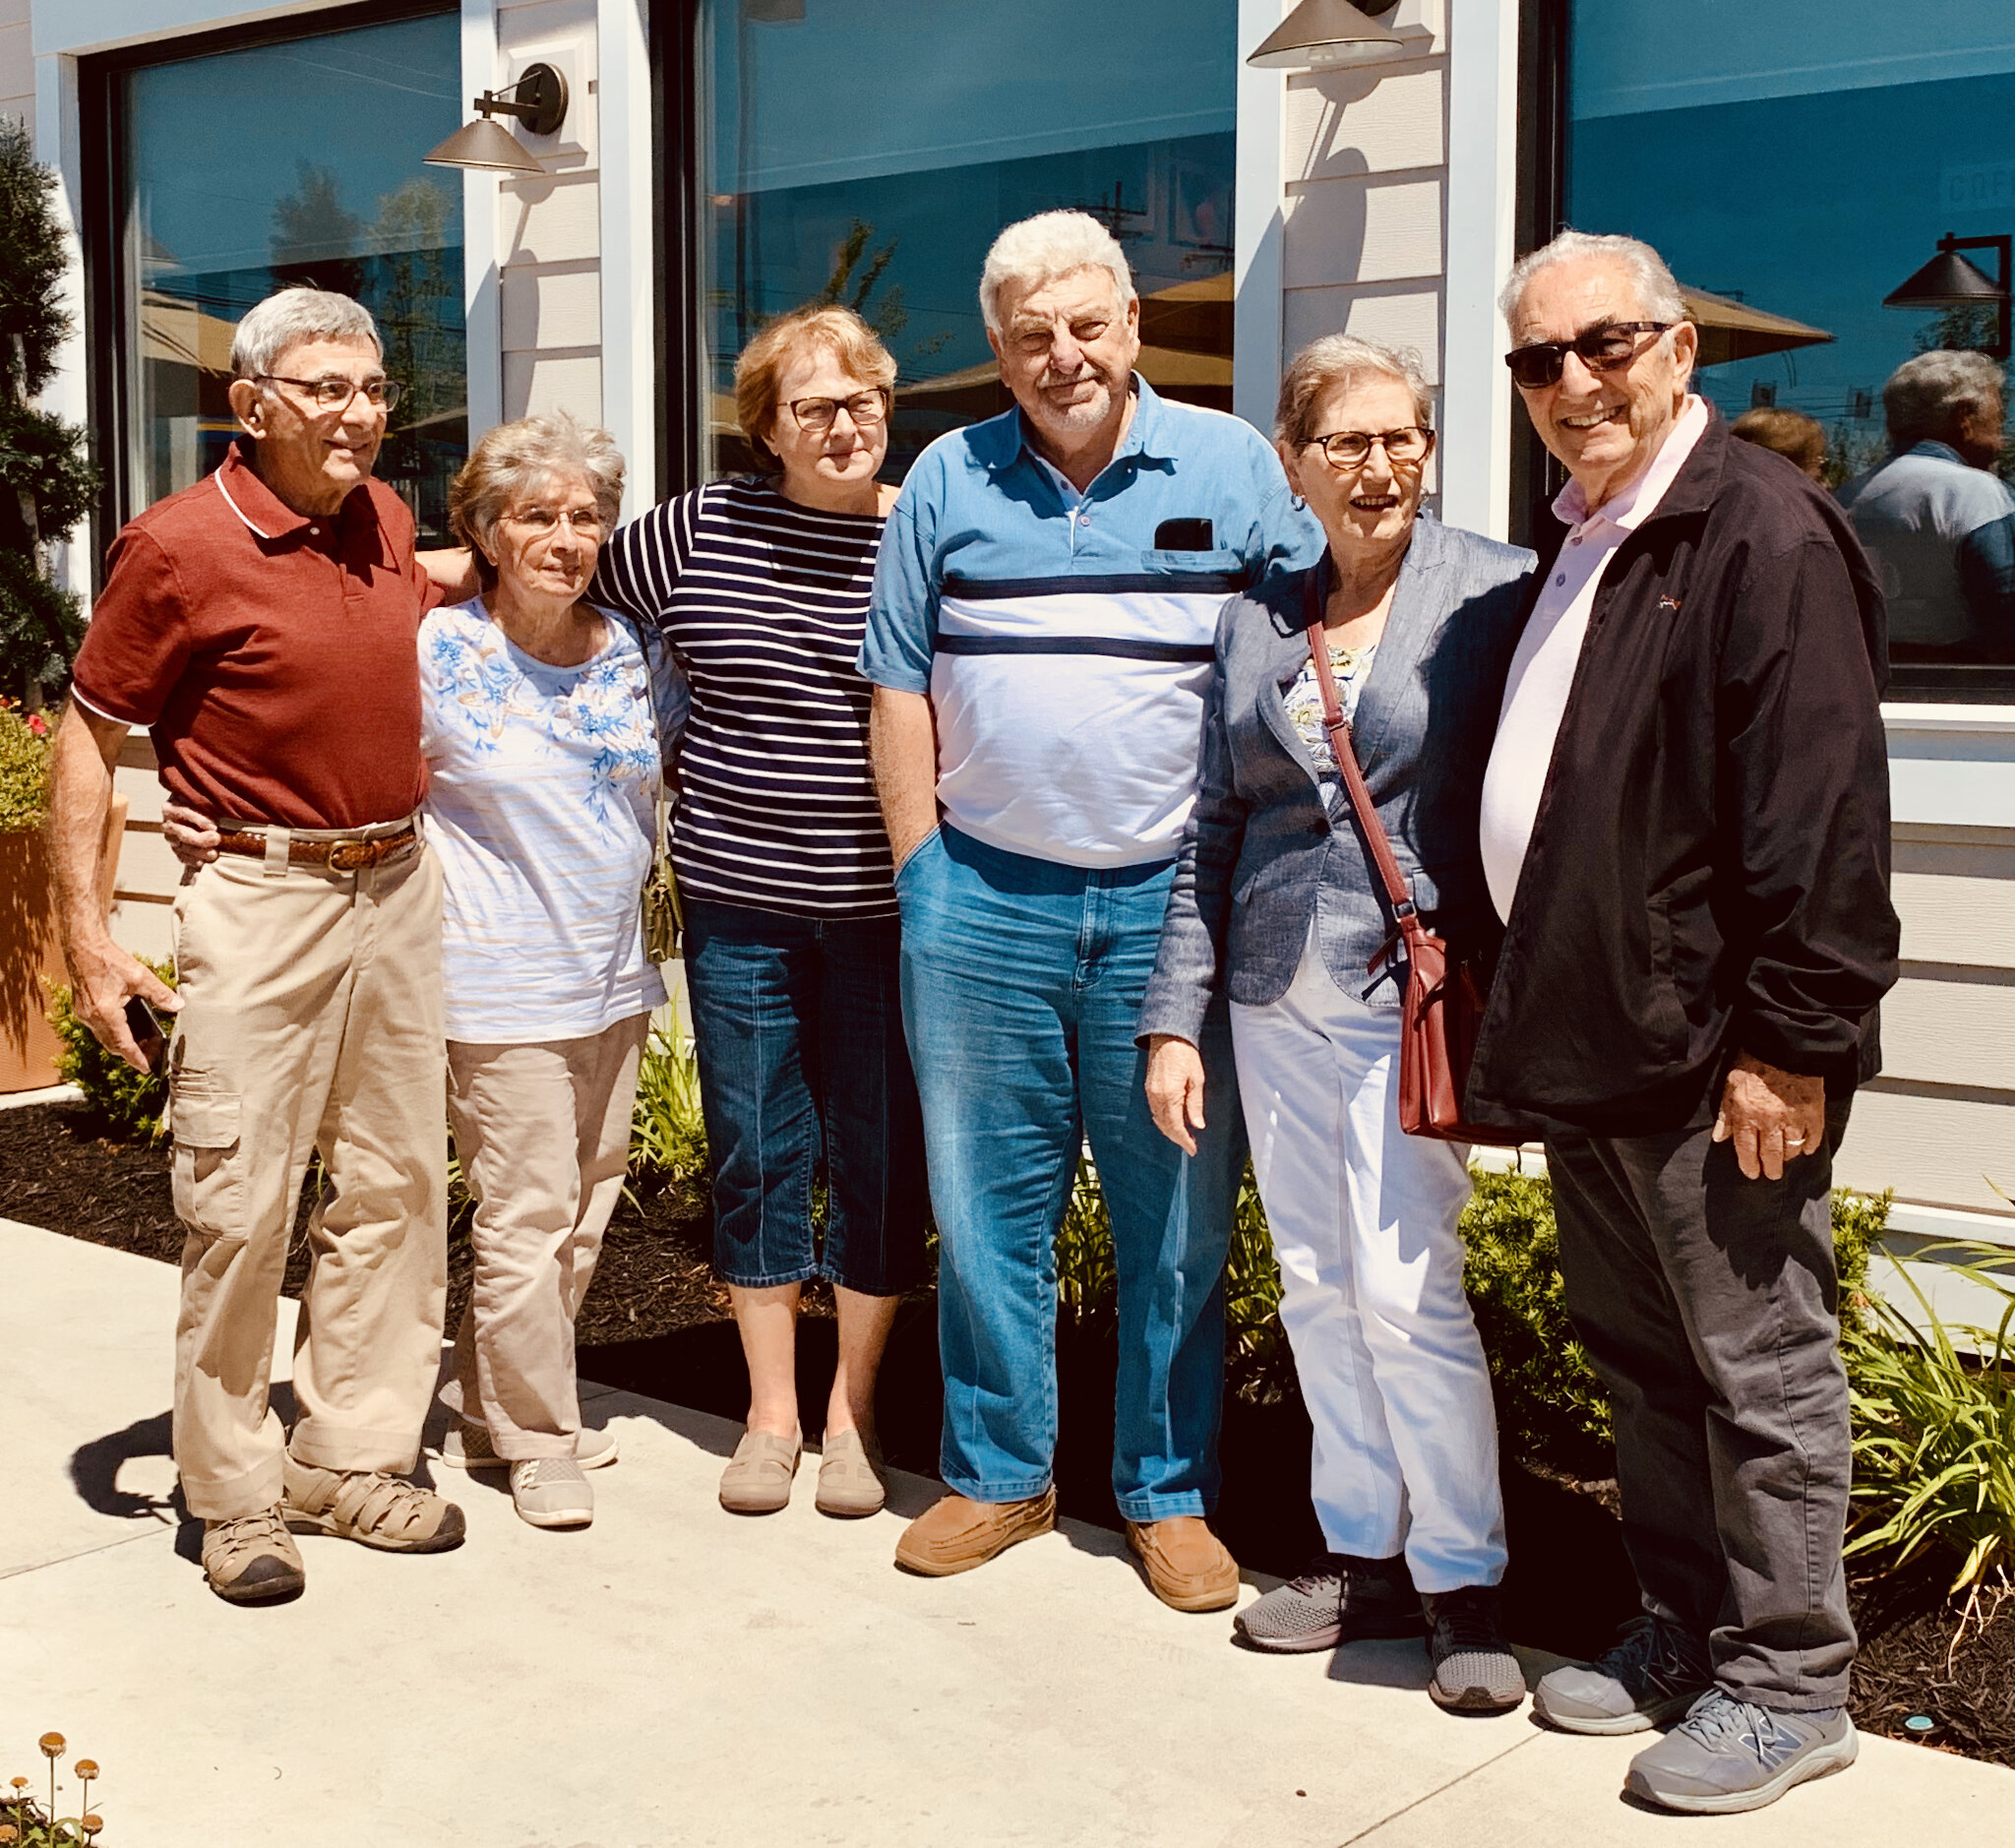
<point>1344,124</point>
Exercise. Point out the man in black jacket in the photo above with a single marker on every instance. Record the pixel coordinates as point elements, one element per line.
<point>1686,826</point>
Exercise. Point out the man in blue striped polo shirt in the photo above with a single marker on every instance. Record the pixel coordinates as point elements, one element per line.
<point>1040,641</point>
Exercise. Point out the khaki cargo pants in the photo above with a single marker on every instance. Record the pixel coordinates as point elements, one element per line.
<point>311,1019</point>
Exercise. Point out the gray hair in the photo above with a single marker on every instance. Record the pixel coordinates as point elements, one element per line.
<point>515,460</point>
<point>292,316</point>
<point>1336,359</point>
<point>1049,245</point>
<point>1925,395</point>
<point>1658,293</point>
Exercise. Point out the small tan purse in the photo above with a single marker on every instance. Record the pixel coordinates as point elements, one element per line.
<point>662,918</point>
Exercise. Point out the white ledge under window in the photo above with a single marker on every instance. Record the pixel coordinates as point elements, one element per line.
<point>1951,765</point>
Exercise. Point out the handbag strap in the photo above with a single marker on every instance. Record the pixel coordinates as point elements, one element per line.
<point>647,638</point>
<point>1398,893</point>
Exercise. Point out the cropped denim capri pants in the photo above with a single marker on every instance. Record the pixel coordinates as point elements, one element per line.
<point>803,1074</point>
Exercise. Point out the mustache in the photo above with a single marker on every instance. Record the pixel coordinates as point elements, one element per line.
<point>1089,370</point>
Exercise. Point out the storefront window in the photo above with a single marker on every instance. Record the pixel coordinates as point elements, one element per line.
<point>867,151</point>
<point>296,162</point>
<point>1797,163</point>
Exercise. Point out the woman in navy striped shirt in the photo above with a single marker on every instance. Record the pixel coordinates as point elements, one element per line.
<point>791,933</point>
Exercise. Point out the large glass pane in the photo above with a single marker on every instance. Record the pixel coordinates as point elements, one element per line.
<point>297,162</point>
<point>1800,161</point>
<point>867,151</point>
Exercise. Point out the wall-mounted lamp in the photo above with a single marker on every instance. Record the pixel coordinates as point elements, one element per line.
<point>538,99</point>
<point>1327,34</point>
<point>1949,280</point>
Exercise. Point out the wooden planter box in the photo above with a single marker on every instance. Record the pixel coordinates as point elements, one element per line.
<point>30,954</point>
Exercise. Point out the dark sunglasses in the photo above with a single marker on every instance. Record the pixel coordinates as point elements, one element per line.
<point>1607,348</point>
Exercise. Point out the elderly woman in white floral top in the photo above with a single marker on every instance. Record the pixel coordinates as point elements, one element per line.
<point>545,720</point>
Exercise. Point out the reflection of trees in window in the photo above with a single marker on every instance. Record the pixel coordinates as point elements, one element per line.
<point>314,239</point>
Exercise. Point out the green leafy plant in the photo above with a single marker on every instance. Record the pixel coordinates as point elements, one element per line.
<point>128,1103</point>
<point>1550,1406</point>
<point>24,750</point>
<point>667,1130</point>
<point>1934,1430</point>
<point>26,1823</point>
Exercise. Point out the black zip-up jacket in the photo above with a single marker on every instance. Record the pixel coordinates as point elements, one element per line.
<point>1709,869</point>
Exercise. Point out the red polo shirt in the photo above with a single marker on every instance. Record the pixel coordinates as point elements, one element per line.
<point>272,655</point>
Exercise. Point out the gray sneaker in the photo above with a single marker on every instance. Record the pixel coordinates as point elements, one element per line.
<point>1475,1671</point>
<point>1340,1599</point>
<point>1728,1756</point>
<point>551,1492</point>
<point>1654,1674</point>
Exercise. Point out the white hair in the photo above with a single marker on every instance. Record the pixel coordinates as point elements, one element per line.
<point>1658,293</point>
<point>1925,395</point>
<point>1334,359</point>
<point>292,316</point>
<point>514,461</point>
<point>1049,245</point>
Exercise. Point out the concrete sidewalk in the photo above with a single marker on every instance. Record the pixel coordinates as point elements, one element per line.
<point>677,1676</point>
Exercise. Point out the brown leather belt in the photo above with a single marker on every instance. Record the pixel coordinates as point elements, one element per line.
<point>339,856</point>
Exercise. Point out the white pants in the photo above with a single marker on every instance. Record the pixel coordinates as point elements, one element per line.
<point>1363,1221</point>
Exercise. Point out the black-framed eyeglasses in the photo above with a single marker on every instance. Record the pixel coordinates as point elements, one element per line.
<point>1608,347</point>
<point>817,413</point>
<point>1350,449</point>
<point>334,394</point>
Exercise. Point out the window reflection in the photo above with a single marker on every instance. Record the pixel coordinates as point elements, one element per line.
<point>867,151</point>
<point>297,162</point>
<point>1795,165</point>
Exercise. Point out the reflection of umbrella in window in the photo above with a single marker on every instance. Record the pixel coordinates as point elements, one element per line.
<point>1186,346</point>
<point>1732,330</point>
<point>181,334</point>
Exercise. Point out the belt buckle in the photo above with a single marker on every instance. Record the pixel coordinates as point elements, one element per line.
<point>349,856</point>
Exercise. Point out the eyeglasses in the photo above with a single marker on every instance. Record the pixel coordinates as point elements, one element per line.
<point>334,394</point>
<point>583,519</point>
<point>817,413</point>
<point>1605,348</point>
<point>1349,449</point>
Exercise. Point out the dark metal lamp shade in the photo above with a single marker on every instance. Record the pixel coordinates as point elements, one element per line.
<point>485,146</point>
<point>1323,34</point>
<point>1948,280</point>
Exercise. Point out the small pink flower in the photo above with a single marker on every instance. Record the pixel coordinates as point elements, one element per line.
<point>37,724</point>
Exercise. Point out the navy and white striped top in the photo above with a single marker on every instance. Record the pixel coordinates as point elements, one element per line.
<point>764,603</point>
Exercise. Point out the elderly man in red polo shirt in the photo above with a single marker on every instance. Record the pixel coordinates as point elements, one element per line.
<point>261,624</point>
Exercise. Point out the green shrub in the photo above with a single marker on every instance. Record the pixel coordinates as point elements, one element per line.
<point>1934,1428</point>
<point>668,1132</point>
<point>128,1103</point>
<point>25,747</point>
<point>1550,1406</point>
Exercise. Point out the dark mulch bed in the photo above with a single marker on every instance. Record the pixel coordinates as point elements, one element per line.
<point>656,1322</point>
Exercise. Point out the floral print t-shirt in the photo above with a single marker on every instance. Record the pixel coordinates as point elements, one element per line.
<point>542,805</point>
<point>1303,699</point>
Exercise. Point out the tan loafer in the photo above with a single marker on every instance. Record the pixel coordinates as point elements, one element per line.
<point>758,1478</point>
<point>1188,1565</point>
<point>958,1534</point>
<point>851,1481</point>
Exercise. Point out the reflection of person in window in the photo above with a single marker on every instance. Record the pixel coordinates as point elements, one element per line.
<point>1938,525</point>
<point>1800,440</point>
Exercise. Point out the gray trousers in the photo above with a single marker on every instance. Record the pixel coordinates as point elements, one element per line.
<point>1708,1304</point>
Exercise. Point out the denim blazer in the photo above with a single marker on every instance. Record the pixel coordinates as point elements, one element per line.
<point>1263,855</point>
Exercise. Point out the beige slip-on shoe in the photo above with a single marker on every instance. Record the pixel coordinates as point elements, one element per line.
<point>958,1534</point>
<point>1188,1568</point>
<point>467,1446</point>
<point>758,1478</point>
<point>851,1481</point>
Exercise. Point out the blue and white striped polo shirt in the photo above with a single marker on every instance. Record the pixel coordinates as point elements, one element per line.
<point>1065,641</point>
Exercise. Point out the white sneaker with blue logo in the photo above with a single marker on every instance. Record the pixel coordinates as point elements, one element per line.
<point>1728,1756</point>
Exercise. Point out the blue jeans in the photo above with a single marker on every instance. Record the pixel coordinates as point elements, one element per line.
<point>1021,983</point>
<point>799,1034</point>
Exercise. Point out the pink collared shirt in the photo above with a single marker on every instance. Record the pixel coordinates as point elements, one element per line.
<point>1543,664</point>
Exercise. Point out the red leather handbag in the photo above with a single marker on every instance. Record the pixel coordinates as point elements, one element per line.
<point>1442,1007</point>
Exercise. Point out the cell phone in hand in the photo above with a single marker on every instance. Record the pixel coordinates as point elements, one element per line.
<point>149,1035</point>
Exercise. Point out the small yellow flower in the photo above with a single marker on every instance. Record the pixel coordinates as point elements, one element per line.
<point>92,1823</point>
<point>53,1745</point>
<point>8,1832</point>
<point>20,1783</point>
<point>87,1769</point>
